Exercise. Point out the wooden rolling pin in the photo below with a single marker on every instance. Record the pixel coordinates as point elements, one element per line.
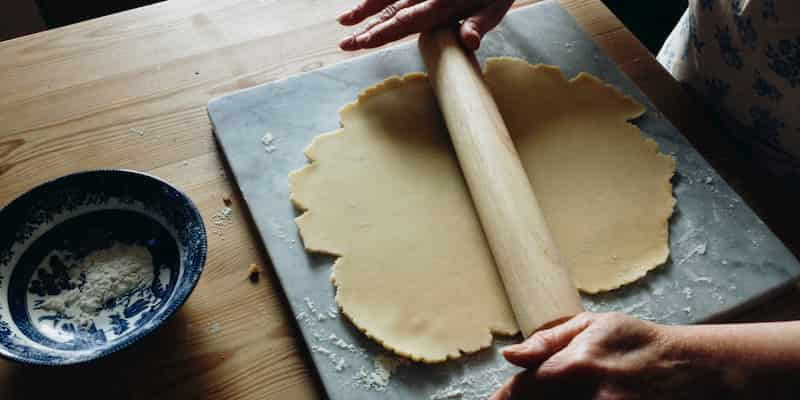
<point>538,286</point>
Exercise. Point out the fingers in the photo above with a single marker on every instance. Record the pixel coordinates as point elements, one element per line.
<point>405,17</point>
<point>544,344</point>
<point>390,12</point>
<point>362,11</point>
<point>572,359</point>
<point>405,21</point>
<point>474,27</point>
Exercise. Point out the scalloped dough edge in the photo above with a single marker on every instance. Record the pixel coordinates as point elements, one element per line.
<point>397,81</point>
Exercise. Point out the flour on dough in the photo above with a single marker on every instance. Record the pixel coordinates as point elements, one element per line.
<point>386,196</point>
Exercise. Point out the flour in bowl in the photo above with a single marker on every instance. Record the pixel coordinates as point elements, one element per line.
<point>100,277</point>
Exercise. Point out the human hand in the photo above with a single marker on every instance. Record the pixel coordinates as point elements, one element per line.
<point>607,356</point>
<point>396,19</point>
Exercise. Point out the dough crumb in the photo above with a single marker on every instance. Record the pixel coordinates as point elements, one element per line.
<point>254,273</point>
<point>267,140</point>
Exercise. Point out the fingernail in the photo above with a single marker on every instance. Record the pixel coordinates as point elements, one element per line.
<point>514,348</point>
<point>347,43</point>
<point>347,15</point>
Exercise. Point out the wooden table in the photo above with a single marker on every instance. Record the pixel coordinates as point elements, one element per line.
<point>129,91</point>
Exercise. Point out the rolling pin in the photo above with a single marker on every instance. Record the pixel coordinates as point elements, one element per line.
<point>538,285</point>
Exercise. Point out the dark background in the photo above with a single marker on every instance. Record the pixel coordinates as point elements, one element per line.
<point>60,12</point>
<point>650,21</point>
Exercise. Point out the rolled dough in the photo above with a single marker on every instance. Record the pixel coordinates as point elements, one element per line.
<point>385,195</point>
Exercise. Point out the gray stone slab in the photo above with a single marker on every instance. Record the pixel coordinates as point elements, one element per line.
<point>722,254</point>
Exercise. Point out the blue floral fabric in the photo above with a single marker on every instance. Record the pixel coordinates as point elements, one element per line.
<point>743,58</point>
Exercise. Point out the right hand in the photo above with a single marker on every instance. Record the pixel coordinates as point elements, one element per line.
<point>610,356</point>
<point>395,20</point>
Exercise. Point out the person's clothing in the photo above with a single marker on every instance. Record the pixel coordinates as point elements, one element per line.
<point>743,58</point>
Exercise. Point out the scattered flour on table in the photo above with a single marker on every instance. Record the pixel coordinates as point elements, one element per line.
<point>697,250</point>
<point>342,355</point>
<point>480,383</point>
<point>221,219</point>
<point>379,377</point>
<point>100,277</point>
<point>339,364</point>
<point>279,232</point>
<point>450,394</point>
<point>324,341</point>
<point>312,309</point>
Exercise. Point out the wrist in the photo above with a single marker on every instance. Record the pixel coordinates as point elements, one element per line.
<point>705,358</point>
<point>743,360</point>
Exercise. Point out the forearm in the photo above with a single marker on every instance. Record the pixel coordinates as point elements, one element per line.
<point>748,360</point>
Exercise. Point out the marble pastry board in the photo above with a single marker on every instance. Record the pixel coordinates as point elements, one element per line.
<point>722,255</point>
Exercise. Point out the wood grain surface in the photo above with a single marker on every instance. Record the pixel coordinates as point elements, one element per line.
<point>536,281</point>
<point>129,91</point>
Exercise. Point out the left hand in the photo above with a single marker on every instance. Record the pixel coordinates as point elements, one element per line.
<point>605,356</point>
<point>396,19</point>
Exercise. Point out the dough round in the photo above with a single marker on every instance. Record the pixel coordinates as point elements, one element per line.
<point>386,195</point>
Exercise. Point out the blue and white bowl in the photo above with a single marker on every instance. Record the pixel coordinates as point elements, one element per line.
<point>73,216</point>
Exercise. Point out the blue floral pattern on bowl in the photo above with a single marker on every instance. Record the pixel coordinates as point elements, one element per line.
<point>56,224</point>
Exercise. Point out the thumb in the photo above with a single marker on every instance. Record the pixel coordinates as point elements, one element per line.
<point>474,27</point>
<point>543,344</point>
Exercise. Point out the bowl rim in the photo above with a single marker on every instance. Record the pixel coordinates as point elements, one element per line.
<point>159,319</point>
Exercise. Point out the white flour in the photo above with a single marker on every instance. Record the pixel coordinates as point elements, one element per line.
<point>380,376</point>
<point>279,232</point>
<point>698,250</point>
<point>102,276</point>
<point>267,140</point>
<point>345,356</point>
<point>478,384</point>
<point>221,219</point>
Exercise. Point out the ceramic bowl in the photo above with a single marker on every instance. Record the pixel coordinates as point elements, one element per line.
<point>75,215</point>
